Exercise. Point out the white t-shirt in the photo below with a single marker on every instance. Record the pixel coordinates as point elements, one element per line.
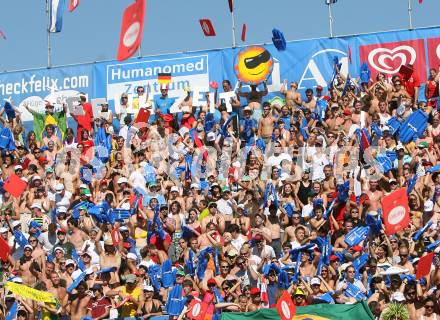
<point>225,206</point>
<point>276,160</point>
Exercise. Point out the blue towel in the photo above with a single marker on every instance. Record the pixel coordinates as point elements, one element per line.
<point>375,128</point>
<point>167,274</point>
<point>384,163</point>
<point>413,127</point>
<point>153,272</point>
<point>9,110</point>
<point>209,122</point>
<point>356,235</point>
<point>78,260</point>
<point>365,73</point>
<point>432,246</point>
<point>224,128</point>
<point>354,292</point>
<point>176,301</point>
<point>278,40</point>
<point>394,125</point>
<point>20,238</point>
<point>77,281</point>
<point>419,233</point>
<point>7,141</point>
<point>12,313</point>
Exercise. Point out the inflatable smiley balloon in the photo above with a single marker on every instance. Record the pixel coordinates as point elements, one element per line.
<point>253,65</point>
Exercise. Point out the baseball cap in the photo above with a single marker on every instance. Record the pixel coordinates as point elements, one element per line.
<point>3,230</point>
<point>423,144</point>
<point>96,286</point>
<point>86,192</point>
<point>315,281</point>
<point>36,177</point>
<point>61,209</point>
<point>123,228</point>
<point>59,187</point>
<point>255,291</point>
<point>195,186</point>
<point>131,256</point>
<point>36,205</point>
<point>122,180</point>
<point>149,288</point>
<point>334,257</point>
<point>28,246</point>
<point>398,296</point>
<point>428,206</point>
<point>83,186</point>
<point>212,282</point>
<point>299,292</point>
<point>174,189</point>
<point>18,167</point>
<point>180,273</point>
<point>49,170</point>
<point>16,224</point>
<point>356,248</point>
<point>70,261</point>
<point>61,230</point>
<point>131,278</point>
<point>211,136</point>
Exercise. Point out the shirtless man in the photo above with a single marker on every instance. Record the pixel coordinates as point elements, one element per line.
<point>310,102</point>
<point>374,196</point>
<point>340,242</point>
<point>253,97</point>
<point>266,123</point>
<point>76,303</point>
<point>24,266</point>
<point>55,287</point>
<point>76,235</point>
<point>214,217</point>
<point>293,98</point>
<point>359,116</point>
<point>307,268</point>
<point>329,183</point>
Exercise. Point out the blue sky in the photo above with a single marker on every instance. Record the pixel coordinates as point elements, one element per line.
<point>91,32</point>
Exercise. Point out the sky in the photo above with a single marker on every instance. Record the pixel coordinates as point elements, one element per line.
<point>91,32</point>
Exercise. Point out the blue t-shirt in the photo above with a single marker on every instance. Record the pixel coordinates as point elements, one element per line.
<point>247,125</point>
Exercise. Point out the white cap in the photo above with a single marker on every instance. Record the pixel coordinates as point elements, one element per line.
<point>399,146</point>
<point>28,246</point>
<point>122,180</point>
<point>18,167</point>
<point>89,271</point>
<point>143,264</point>
<point>59,187</point>
<point>398,296</point>
<point>195,186</point>
<point>315,280</point>
<point>247,108</point>
<point>131,256</point>
<point>15,224</point>
<point>385,128</point>
<point>70,261</point>
<point>174,189</point>
<point>148,288</point>
<point>241,206</point>
<point>3,230</point>
<point>210,136</point>
<point>429,206</point>
<point>61,249</point>
<point>25,179</point>
<point>36,205</point>
<point>36,177</point>
<point>123,228</point>
<point>62,209</point>
<point>83,186</point>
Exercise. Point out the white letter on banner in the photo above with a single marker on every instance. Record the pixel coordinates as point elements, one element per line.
<point>180,95</point>
<point>316,75</point>
<point>275,86</point>
<point>227,96</point>
<point>198,101</point>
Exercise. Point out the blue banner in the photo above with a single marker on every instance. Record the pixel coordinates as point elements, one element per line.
<point>308,62</point>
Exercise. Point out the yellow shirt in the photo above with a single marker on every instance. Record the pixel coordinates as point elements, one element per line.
<point>129,309</point>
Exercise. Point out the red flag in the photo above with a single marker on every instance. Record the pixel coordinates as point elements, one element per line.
<point>264,294</point>
<point>197,310</point>
<point>420,1</point>
<point>207,27</point>
<point>73,5</point>
<point>231,5</point>
<point>131,29</point>
<point>285,306</point>
<point>349,55</point>
<point>395,211</point>
<point>424,266</point>
<point>116,236</point>
<point>243,32</point>
<point>4,250</point>
<point>14,185</point>
<point>2,35</point>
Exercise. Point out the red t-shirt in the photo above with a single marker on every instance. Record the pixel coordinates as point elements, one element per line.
<point>84,121</point>
<point>410,84</point>
<point>98,307</point>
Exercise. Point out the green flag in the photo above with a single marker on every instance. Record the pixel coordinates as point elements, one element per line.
<point>358,311</point>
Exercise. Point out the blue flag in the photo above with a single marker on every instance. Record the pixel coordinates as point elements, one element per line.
<point>12,313</point>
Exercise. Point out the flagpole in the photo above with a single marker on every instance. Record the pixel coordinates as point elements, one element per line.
<point>330,18</point>
<point>410,15</point>
<point>234,44</point>
<point>140,51</point>
<point>49,48</point>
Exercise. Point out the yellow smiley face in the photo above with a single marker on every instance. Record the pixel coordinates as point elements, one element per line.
<point>253,65</point>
